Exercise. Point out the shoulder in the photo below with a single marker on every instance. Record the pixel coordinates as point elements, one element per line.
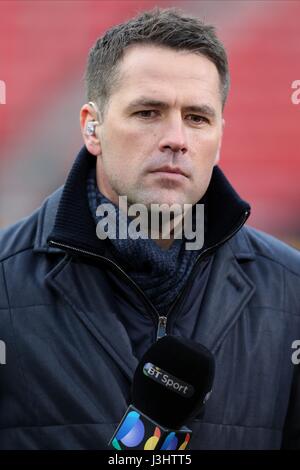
<point>31,232</point>
<point>272,250</point>
<point>18,237</point>
<point>272,266</point>
<point>16,242</point>
<point>22,264</point>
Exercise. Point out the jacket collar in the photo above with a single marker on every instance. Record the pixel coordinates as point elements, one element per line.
<point>65,217</point>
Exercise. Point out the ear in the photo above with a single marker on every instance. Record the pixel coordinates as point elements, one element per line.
<point>92,142</point>
<point>217,158</point>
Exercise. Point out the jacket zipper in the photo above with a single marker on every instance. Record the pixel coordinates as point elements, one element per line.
<point>162,327</point>
<point>160,320</point>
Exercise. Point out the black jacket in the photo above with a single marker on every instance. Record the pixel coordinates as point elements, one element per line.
<point>75,326</point>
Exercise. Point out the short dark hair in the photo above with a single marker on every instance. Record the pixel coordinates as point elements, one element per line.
<point>162,27</point>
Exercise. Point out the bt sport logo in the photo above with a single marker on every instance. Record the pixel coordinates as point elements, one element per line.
<point>167,380</point>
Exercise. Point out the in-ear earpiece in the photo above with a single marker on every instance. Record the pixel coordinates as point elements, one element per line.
<point>90,127</point>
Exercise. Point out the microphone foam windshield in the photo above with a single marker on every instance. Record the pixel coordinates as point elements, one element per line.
<point>173,380</point>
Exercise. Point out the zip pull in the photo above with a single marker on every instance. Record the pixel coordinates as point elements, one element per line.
<point>162,326</point>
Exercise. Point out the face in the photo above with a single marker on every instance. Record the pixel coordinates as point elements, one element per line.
<point>161,133</point>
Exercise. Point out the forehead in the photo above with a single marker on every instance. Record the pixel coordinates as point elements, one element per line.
<point>167,74</point>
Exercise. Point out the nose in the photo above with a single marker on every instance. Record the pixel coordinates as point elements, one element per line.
<point>174,137</point>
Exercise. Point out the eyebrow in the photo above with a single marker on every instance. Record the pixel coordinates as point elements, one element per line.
<point>149,102</point>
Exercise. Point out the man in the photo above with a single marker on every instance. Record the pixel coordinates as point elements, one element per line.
<point>79,309</point>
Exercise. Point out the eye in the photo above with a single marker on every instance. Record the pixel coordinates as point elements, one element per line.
<point>197,119</point>
<point>146,113</point>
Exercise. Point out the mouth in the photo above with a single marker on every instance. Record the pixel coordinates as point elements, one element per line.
<point>170,171</point>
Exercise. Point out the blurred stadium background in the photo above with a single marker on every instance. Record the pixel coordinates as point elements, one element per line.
<point>43,49</point>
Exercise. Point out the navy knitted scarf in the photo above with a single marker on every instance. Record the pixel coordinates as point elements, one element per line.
<point>161,274</point>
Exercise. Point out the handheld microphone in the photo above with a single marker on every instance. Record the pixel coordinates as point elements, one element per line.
<point>171,384</point>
